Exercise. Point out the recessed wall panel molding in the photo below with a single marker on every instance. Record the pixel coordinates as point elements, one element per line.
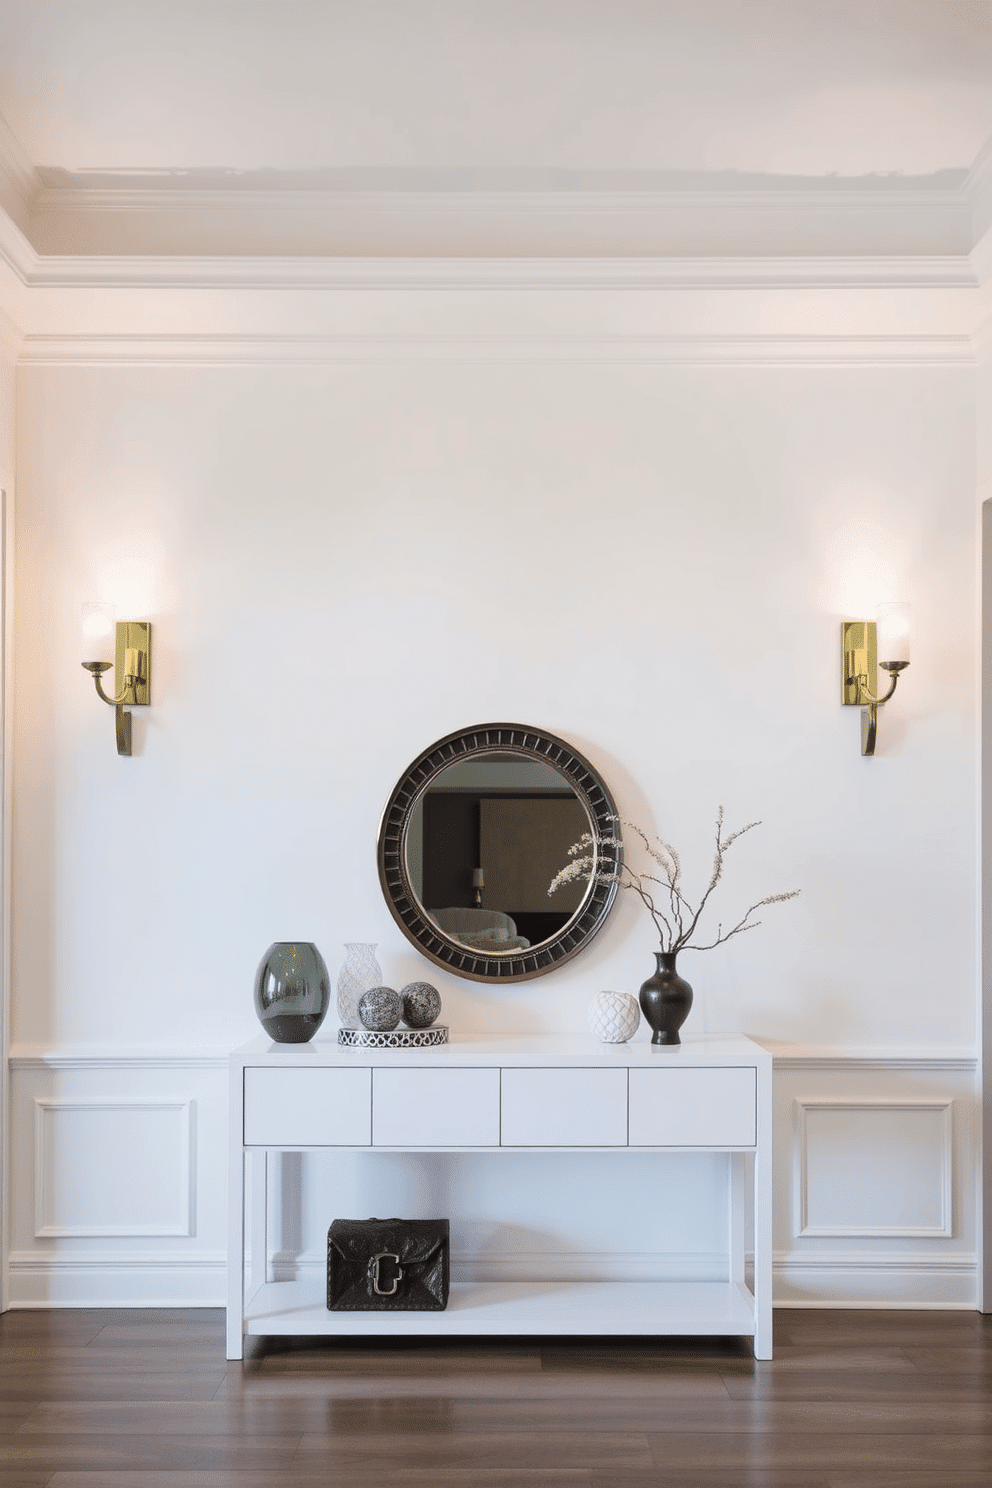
<point>113,1167</point>
<point>874,1168</point>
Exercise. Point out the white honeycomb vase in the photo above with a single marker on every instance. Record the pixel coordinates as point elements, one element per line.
<point>614,1016</point>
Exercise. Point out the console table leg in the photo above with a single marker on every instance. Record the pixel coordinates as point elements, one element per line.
<point>235,1253</point>
<point>763,1225</point>
<point>737,1239</point>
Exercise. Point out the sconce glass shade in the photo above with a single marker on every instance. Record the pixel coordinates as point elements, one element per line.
<point>478,878</point>
<point>893,633</point>
<point>98,640</point>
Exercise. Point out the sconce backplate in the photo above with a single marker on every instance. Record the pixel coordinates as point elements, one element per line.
<point>859,646</point>
<point>135,635</point>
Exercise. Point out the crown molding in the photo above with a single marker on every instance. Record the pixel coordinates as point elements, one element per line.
<point>807,221</point>
<point>322,349</point>
<point>977,190</point>
<point>981,258</point>
<point>20,184</point>
<point>36,271</point>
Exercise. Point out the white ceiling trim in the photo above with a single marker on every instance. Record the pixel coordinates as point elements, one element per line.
<point>977,190</point>
<point>35,271</point>
<point>20,184</point>
<point>630,350</point>
<point>799,221</point>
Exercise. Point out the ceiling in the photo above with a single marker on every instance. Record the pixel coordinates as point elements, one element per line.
<point>513,127</point>
<point>789,87</point>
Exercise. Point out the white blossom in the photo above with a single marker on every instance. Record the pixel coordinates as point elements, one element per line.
<point>674,916</point>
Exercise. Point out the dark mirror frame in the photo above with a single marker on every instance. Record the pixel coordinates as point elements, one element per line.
<point>409,914</point>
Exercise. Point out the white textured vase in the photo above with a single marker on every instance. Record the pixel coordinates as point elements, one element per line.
<point>359,974</point>
<point>614,1016</point>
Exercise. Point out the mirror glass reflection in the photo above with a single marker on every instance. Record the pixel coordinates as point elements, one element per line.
<point>483,843</point>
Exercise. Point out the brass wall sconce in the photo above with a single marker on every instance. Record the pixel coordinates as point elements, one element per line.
<point>865,646</point>
<point>126,646</point>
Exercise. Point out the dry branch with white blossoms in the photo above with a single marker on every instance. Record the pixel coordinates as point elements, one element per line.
<point>659,887</point>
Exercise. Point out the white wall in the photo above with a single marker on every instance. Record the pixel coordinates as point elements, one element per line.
<point>344,562</point>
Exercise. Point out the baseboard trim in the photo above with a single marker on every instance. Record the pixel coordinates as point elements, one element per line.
<point>876,1281</point>
<point>141,1279</point>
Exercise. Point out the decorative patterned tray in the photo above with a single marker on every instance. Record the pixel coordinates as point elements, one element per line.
<point>400,1038</point>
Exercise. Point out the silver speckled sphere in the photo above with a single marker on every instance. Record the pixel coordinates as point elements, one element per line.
<point>421,1004</point>
<point>380,1009</point>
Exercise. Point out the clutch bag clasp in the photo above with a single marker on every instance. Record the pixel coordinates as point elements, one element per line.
<point>374,1273</point>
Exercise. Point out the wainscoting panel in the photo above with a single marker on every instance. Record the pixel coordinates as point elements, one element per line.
<point>118,1188</point>
<point>118,1178</point>
<point>875,1178</point>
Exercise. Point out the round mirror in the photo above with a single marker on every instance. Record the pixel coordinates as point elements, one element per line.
<point>471,839</point>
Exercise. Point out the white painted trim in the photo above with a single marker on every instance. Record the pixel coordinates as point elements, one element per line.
<point>802,1228</point>
<point>16,166</point>
<point>137,1278</point>
<point>802,1057</point>
<point>893,1260</point>
<point>633,350</point>
<point>981,257</point>
<point>895,1281</point>
<point>298,272</point>
<point>63,1057</point>
<point>793,1057</point>
<point>978,191</point>
<point>183,1224</point>
<point>102,192</point>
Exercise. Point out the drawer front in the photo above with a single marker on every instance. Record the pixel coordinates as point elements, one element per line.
<point>308,1107</point>
<point>564,1108</point>
<point>693,1107</point>
<point>435,1108</point>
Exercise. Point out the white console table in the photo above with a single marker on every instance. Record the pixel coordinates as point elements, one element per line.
<point>543,1093</point>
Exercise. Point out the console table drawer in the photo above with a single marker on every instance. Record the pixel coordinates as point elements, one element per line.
<point>564,1108</point>
<point>435,1108</point>
<point>308,1108</point>
<point>693,1107</point>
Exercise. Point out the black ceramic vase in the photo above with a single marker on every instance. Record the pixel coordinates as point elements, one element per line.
<point>666,999</point>
<point>292,991</point>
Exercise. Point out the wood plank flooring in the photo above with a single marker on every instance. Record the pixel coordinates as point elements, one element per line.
<point>119,1399</point>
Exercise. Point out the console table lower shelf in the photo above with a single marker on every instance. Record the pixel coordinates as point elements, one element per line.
<point>614,1308</point>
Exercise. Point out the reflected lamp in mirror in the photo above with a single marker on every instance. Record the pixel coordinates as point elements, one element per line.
<point>478,884</point>
<point>865,646</point>
<point>125,645</point>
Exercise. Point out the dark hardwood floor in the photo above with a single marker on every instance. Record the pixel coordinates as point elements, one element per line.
<point>147,1400</point>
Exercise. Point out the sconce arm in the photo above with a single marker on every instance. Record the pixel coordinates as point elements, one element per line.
<point>95,668</point>
<point>871,705</point>
<point>865,698</point>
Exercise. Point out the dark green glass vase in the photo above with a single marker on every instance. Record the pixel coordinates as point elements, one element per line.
<point>665,1000</point>
<point>292,991</point>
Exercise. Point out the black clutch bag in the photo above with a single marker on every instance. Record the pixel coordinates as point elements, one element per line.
<point>388,1265</point>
